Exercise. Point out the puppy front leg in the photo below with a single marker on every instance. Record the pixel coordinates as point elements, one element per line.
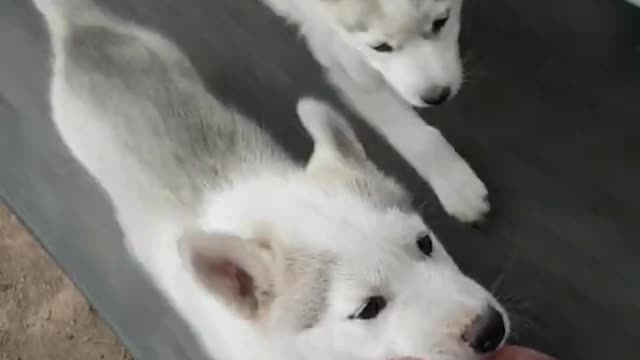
<point>362,73</point>
<point>458,188</point>
<point>332,53</point>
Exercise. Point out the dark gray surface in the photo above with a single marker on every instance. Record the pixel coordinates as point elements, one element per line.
<point>550,122</point>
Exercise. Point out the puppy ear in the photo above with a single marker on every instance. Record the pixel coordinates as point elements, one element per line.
<point>239,272</point>
<point>336,146</point>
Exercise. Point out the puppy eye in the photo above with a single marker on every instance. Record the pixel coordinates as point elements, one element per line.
<point>438,24</point>
<point>383,47</point>
<point>370,309</point>
<point>425,244</point>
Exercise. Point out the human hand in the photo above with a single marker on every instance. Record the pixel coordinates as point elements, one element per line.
<point>511,352</point>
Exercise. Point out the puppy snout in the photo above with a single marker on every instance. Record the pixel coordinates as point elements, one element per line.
<point>486,332</point>
<point>436,95</point>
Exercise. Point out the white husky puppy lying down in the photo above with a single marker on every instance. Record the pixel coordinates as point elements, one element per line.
<point>412,44</point>
<point>265,258</point>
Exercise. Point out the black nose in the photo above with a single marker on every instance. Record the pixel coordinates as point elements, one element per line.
<point>486,332</point>
<point>436,95</point>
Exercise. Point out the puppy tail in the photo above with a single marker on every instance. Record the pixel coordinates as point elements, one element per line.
<point>60,15</point>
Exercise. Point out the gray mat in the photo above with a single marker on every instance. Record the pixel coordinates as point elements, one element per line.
<point>550,122</point>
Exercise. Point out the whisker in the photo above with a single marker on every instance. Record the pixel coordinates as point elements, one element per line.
<point>472,68</point>
<point>429,208</point>
<point>518,313</point>
<point>495,286</point>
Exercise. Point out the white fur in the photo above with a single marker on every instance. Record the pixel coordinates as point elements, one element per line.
<point>460,191</point>
<point>316,240</point>
<point>418,65</point>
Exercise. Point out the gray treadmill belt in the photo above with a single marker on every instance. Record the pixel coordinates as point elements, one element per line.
<point>550,121</point>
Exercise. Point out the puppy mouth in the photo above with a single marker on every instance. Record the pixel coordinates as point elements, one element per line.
<point>416,104</point>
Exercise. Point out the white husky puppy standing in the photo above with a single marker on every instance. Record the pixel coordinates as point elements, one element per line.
<point>264,257</point>
<point>375,50</point>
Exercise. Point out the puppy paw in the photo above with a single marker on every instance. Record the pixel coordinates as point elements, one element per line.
<point>462,194</point>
